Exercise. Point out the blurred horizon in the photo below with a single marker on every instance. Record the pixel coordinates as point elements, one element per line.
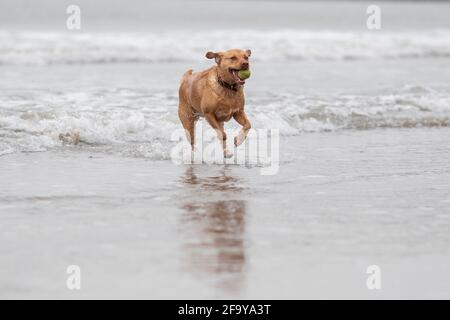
<point>142,15</point>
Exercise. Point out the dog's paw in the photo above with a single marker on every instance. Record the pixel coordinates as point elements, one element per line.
<point>238,140</point>
<point>227,154</point>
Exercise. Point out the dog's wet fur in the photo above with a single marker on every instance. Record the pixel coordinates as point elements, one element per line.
<point>216,94</point>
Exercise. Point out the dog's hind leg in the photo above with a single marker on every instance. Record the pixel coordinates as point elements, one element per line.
<point>188,121</point>
<point>185,112</point>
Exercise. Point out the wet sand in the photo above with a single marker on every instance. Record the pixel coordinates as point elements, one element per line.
<point>150,229</point>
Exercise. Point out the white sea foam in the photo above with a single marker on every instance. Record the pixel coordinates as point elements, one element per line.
<point>41,48</point>
<point>33,121</point>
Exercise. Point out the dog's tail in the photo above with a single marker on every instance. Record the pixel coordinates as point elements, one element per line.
<point>186,74</point>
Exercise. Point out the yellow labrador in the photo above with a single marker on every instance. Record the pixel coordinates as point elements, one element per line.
<point>216,94</point>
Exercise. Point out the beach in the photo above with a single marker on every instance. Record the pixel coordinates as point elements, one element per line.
<point>149,229</point>
<point>363,120</point>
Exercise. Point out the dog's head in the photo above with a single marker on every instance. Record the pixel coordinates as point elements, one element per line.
<point>230,62</point>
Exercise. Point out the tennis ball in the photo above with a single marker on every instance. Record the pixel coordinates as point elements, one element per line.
<point>244,74</point>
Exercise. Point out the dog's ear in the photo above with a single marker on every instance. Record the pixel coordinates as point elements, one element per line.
<point>210,55</point>
<point>214,55</point>
<point>248,52</point>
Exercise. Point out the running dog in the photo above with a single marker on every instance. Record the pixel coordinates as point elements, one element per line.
<point>217,94</point>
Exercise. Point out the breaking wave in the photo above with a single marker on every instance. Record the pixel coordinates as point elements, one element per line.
<point>134,122</point>
<point>44,48</point>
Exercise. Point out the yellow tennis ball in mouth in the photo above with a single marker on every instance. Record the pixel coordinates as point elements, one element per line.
<point>244,74</point>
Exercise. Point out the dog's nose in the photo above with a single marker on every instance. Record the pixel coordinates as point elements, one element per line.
<point>244,65</point>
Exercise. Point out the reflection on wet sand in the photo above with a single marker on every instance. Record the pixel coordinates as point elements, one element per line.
<point>214,229</point>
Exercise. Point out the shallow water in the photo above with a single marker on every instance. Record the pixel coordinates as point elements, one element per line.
<point>363,179</point>
<point>131,109</point>
<point>151,229</point>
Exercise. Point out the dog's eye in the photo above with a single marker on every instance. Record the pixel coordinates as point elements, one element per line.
<point>233,58</point>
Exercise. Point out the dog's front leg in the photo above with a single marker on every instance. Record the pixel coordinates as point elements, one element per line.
<point>211,118</point>
<point>242,119</point>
